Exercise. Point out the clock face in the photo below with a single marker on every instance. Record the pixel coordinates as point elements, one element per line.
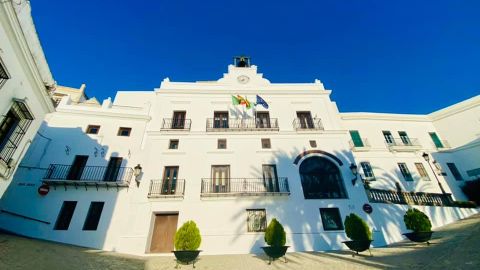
<point>243,79</point>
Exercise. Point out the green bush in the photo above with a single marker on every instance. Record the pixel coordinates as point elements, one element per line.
<point>188,237</point>
<point>356,228</point>
<point>417,221</point>
<point>275,234</point>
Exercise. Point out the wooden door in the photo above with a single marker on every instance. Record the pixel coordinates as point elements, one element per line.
<point>220,119</point>
<point>263,120</point>
<point>221,178</point>
<point>169,182</point>
<point>163,234</point>
<point>78,165</point>
<point>178,121</point>
<point>270,178</point>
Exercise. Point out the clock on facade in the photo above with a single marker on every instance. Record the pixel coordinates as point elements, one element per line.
<point>243,79</point>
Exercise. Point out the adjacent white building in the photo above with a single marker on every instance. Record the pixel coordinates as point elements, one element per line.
<point>124,174</point>
<point>25,82</point>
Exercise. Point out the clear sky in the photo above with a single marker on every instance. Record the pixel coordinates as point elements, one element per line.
<point>376,56</point>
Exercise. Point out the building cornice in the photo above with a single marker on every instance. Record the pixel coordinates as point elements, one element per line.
<point>455,108</point>
<point>385,116</point>
<point>103,113</point>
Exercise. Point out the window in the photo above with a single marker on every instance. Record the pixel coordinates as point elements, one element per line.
<point>93,129</point>
<point>220,120</point>
<point>173,144</point>
<point>169,181</point>
<point>305,120</point>
<point>256,220</point>
<point>321,179</point>
<point>262,120</point>
<point>422,172</point>
<point>13,127</point>
<point>266,144</point>
<point>3,74</point>
<point>404,137</point>
<point>222,144</point>
<point>93,216</point>
<point>356,139</point>
<point>178,121</point>
<point>65,215</point>
<point>436,140</point>
<point>220,179</point>
<point>331,219</point>
<point>270,179</point>
<point>405,171</point>
<point>124,131</point>
<point>367,171</point>
<point>313,143</point>
<point>388,137</point>
<point>454,171</point>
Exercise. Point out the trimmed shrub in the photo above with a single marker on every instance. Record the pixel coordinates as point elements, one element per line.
<point>356,228</point>
<point>275,234</point>
<point>417,221</point>
<point>188,237</point>
<point>472,190</point>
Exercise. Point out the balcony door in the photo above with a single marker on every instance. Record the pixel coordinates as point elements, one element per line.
<point>113,169</point>
<point>270,178</point>
<point>436,140</point>
<point>221,178</point>
<point>263,120</point>
<point>178,120</point>
<point>305,120</point>
<point>404,137</point>
<point>220,120</point>
<point>169,181</point>
<point>78,165</point>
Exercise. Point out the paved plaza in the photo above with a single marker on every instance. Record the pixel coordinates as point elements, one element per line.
<point>456,246</point>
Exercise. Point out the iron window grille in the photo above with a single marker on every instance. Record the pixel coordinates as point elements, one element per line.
<point>13,127</point>
<point>331,219</point>
<point>256,220</point>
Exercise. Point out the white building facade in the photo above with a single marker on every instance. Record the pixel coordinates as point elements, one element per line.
<point>124,175</point>
<point>25,82</point>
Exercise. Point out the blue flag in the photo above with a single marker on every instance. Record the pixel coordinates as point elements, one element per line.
<point>261,102</point>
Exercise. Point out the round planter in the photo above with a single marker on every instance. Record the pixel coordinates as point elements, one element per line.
<point>358,245</point>
<point>419,237</point>
<point>186,256</point>
<point>275,252</point>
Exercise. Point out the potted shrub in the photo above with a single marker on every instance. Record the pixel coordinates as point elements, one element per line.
<point>275,237</point>
<point>357,230</point>
<point>187,240</point>
<point>420,224</point>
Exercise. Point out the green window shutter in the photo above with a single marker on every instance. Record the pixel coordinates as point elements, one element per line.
<point>357,141</point>
<point>436,140</point>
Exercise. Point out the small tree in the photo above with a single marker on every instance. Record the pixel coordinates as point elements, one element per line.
<point>356,228</point>
<point>275,234</point>
<point>188,237</point>
<point>417,221</point>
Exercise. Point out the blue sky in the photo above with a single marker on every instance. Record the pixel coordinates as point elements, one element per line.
<point>376,56</point>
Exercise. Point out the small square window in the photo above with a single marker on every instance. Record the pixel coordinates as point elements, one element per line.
<point>313,143</point>
<point>266,144</point>
<point>331,219</point>
<point>93,129</point>
<point>222,144</point>
<point>173,144</point>
<point>256,220</point>
<point>124,131</point>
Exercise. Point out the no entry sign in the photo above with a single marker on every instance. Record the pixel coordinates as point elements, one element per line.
<point>43,189</point>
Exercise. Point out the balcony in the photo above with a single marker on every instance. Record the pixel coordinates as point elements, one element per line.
<point>365,145</point>
<point>172,124</point>
<point>301,124</point>
<point>410,198</point>
<point>67,175</point>
<point>245,187</point>
<point>166,188</point>
<point>403,144</point>
<point>235,124</point>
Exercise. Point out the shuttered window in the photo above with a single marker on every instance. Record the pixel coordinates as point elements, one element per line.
<point>357,140</point>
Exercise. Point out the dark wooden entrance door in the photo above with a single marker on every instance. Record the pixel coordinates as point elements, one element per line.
<point>78,165</point>
<point>164,230</point>
<point>114,165</point>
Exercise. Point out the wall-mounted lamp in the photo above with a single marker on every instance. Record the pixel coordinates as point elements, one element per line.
<point>137,171</point>
<point>354,169</point>
<point>427,159</point>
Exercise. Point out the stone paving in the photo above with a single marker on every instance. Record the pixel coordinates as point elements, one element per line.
<point>456,246</point>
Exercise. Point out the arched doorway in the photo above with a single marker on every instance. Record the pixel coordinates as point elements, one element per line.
<point>321,179</point>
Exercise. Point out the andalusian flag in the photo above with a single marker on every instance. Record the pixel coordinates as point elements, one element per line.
<point>235,101</point>
<point>239,100</point>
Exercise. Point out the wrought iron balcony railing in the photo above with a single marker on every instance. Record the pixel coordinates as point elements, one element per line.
<point>244,186</point>
<point>364,146</point>
<point>88,175</point>
<point>176,124</point>
<point>411,198</point>
<point>307,124</point>
<point>403,144</point>
<point>235,124</point>
<point>166,188</point>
